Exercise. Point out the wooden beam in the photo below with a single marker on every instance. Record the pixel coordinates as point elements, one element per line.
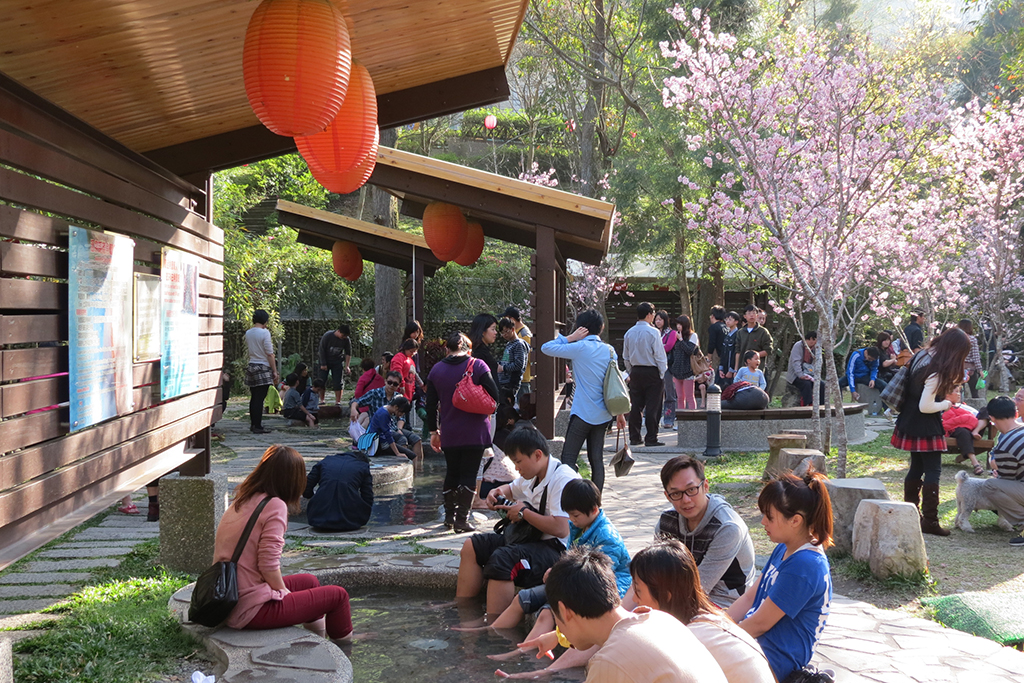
<point>544,329</point>
<point>400,108</point>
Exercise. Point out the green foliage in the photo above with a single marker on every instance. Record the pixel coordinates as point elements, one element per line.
<point>514,125</point>
<point>500,278</point>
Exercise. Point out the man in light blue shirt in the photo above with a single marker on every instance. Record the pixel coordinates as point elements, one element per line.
<point>589,417</point>
<point>646,364</point>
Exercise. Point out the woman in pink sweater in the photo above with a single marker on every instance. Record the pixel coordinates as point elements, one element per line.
<point>265,598</point>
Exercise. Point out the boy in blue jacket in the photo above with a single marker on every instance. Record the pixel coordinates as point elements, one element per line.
<point>863,369</point>
<point>581,500</point>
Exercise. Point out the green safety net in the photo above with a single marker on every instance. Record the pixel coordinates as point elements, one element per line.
<point>998,616</point>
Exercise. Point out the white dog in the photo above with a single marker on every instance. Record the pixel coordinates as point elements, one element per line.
<point>970,496</point>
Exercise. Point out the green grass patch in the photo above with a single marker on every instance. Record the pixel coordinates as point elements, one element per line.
<point>117,630</point>
<point>918,583</point>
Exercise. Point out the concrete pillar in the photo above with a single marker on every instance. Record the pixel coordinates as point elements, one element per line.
<point>6,661</point>
<point>190,509</point>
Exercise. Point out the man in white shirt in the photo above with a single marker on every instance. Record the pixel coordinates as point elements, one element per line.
<point>646,363</point>
<point>646,646</point>
<point>535,497</point>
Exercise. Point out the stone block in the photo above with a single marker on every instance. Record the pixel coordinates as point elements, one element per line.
<point>190,509</point>
<point>751,435</point>
<point>872,397</point>
<point>846,495</point>
<point>561,422</point>
<point>6,661</point>
<point>555,447</point>
<point>887,535</point>
<point>776,442</point>
<point>791,396</point>
<point>790,459</point>
<point>813,440</point>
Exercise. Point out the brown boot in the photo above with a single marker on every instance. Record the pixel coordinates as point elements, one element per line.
<point>449,508</point>
<point>154,510</point>
<point>930,511</point>
<point>912,492</point>
<point>463,504</point>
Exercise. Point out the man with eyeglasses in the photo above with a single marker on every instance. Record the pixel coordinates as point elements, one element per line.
<point>380,397</point>
<point>710,528</point>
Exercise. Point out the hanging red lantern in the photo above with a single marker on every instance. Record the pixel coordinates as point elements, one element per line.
<point>356,272</point>
<point>346,258</point>
<point>444,229</point>
<point>490,122</point>
<point>351,180</point>
<point>348,138</point>
<point>296,63</point>
<point>474,245</point>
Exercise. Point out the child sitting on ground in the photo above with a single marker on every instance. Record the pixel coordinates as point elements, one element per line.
<point>311,397</point>
<point>788,611</point>
<point>964,424</point>
<point>381,424</point>
<point>588,525</point>
<point>750,373</point>
<point>293,408</point>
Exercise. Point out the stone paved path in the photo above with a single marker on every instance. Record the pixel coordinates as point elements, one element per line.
<point>862,643</point>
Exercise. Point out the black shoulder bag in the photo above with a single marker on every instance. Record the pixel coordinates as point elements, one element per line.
<point>216,590</point>
<point>517,533</point>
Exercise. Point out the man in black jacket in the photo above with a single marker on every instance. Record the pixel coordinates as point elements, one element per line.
<point>914,333</point>
<point>716,334</point>
<point>344,492</point>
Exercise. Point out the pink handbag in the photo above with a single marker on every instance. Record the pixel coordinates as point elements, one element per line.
<point>470,397</point>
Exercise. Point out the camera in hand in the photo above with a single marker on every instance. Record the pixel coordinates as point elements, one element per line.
<point>502,501</point>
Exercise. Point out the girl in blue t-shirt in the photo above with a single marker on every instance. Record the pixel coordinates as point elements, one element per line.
<point>788,611</point>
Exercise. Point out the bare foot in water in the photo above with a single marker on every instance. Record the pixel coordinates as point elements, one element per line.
<point>470,629</point>
<point>526,675</point>
<point>514,654</point>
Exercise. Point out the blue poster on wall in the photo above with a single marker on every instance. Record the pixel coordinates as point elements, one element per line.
<point>99,326</point>
<point>179,285</point>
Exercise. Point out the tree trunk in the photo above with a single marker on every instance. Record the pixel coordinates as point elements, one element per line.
<point>389,301</point>
<point>826,339</point>
<point>591,118</point>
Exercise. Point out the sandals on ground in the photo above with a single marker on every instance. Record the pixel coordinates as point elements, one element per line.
<point>129,509</point>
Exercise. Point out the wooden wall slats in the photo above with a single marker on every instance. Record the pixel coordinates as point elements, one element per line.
<point>42,195</point>
<point>32,429</point>
<point>22,397</point>
<point>211,342</point>
<point>212,270</point>
<point>33,495</point>
<point>211,325</point>
<point>25,259</point>
<point>211,288</point>
<point>22,363</point>
<point>50,163</point>
<point>25,329</point>
<point>146,373</point>
<point>208,306</point>
<point>32,227</point>
<point>210,361</point>
<point>32,295</point>
<point>16,468</point>
<point>147,251</point>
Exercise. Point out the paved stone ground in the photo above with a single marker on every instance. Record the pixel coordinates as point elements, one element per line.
<point>863,644</point>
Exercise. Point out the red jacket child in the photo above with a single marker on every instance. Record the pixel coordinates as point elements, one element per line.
<point>958,416</point>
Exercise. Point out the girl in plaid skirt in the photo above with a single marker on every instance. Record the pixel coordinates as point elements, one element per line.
<point>934,372</point>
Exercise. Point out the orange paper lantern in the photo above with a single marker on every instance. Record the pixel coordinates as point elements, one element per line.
<point>352,179</point>
<point>347,259</point>
<point>474,245</point>
<point>296,62</point>
<point>356,272</point>
<point>444,229</point>
<point>348,138</point>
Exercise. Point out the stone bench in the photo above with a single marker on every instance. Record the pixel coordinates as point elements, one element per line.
<point>748,430</point>
<point>279,654</point>
<point>846,495</point>
<point>872,397</point>
<point>887,535</point>
<point>795,460</point>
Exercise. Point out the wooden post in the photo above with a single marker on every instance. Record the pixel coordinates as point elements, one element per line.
<point>199,464</point>
<point>417,285</point>
<point>544,315</point>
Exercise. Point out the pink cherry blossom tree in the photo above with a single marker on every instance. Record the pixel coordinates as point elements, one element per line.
<point>831,193</point>
<point>986,153</point>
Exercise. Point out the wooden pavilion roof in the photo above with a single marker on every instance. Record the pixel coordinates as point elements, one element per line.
<point>508,209</point>
<point>376,243</point>
<point>164,77</point>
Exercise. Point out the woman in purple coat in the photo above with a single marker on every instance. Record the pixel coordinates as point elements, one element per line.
<point>462,436</point>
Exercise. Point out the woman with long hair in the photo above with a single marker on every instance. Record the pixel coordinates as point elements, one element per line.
<point>682,374</point>
<point>483,332</point>
<point>934,372</point>
<point>665,577</point>
<point>886,356</point>
<point>668,340</point>
<point>461,435</point>
<point>266,599</point>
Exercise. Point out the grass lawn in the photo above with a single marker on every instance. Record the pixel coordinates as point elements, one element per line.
<point>982,561</point>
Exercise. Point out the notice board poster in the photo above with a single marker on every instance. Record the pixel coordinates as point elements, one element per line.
<point>179,299</point>
<point>99,325</point>
<point>147,317</point>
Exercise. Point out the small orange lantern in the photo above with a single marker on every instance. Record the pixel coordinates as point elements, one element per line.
<point>348,138</point>
<point>347,259</point>
<point>474,245</point>
<point>352,179</point>
<point>356,272</point>
<point>444,229</point>
<point>296,62</point>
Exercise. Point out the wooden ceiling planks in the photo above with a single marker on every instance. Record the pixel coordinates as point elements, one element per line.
<point>155,73</point>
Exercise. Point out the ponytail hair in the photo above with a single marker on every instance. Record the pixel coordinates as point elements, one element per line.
<point>808,496</point>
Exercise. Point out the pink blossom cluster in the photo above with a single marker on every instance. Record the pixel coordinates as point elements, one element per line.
<point>538,177</point>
